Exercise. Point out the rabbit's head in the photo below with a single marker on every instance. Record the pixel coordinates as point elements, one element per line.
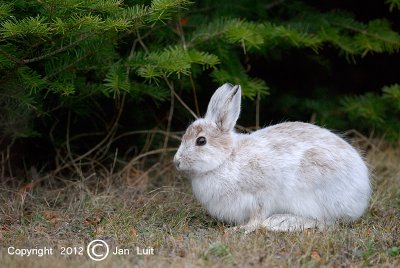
<point>208,141</point>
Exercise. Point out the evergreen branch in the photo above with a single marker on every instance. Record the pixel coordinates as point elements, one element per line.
<point>342,41</point>
<point>393,4</point>
<point>368,106</point>
<point>106,6</point>
<point>79,40</point>
<point>252,87</point>
<point>117,79</point>
<point>161,9</point>
<point>167,81</point>
<point>234,31</point>
<point>155,65</point>
<point>212,30</point>
<point>31,79</point>
<point>48,76</point>
<point>368,33</point>
<point>291,34</point>
<point>5,9</point>
<point>27,26</point>
<point>11,57</point>
<point>392,94</point>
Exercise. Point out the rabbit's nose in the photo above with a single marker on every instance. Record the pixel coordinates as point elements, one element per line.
<point>177,162</point>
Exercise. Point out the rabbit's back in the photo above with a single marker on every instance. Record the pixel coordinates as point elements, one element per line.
<point>319,174</point>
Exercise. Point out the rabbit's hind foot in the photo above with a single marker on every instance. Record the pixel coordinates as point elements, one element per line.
<point>291,223</point>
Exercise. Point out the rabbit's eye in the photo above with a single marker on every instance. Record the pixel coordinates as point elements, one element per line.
<point>200,141</point>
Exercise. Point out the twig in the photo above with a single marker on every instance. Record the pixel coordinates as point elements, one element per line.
<point>181,34</point>
<point>3,168</point>
<point>141,42</point>
<point>274,4</point>
<point>81,135</point>
<point>69,154</point>
<point>166,168</point>
<point>196,104</point>
<point>136,132</point>
<point>144,174</point>
<point>171,112</point>
<point>133,47</point>
<point>113,130</point>
<point>8,156</point>
<point>108,137</point>
<point>185,105</point>
<point>115,160</point>
<point>157,151</point>
<point>258,110</point>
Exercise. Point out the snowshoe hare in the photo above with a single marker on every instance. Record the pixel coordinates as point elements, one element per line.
<point>284,177</point>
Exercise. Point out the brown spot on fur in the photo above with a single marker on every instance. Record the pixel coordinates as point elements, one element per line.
<point>192,132</point>
<point>220,139</point>
<point>215,136</point>
<point>280,147</point>
<point>222,117</point>
<point>316,162</point>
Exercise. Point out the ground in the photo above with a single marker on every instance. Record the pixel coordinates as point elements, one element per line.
<point>139,213</point>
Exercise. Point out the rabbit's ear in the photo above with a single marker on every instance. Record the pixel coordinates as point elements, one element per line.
<point>224,106</point>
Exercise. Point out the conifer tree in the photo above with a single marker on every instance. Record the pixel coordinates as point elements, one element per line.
<point>66,55</point>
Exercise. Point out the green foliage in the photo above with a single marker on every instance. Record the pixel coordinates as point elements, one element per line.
<point>392,95</point>
<point>157,64</point>
<point>5,10</point>
<point>380,113</point>
<point>163,9</point>
<point>117,80</point>
<point>59,57</point>
<point>26,27</point>
<point>53,46</point>
<point>394,251</point>
<point>251,86</point>
<point>219,250</point>
<point>350,36</point>
<point>393,4</point>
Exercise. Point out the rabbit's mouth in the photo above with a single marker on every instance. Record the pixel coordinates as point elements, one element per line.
<point>185,172</point>
<point>183,169</point>
<point>179,165</point>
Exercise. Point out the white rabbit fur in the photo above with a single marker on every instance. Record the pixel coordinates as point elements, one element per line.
<point>283,177</point>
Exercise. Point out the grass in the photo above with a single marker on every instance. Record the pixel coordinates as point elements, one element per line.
<point>128,213</point>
